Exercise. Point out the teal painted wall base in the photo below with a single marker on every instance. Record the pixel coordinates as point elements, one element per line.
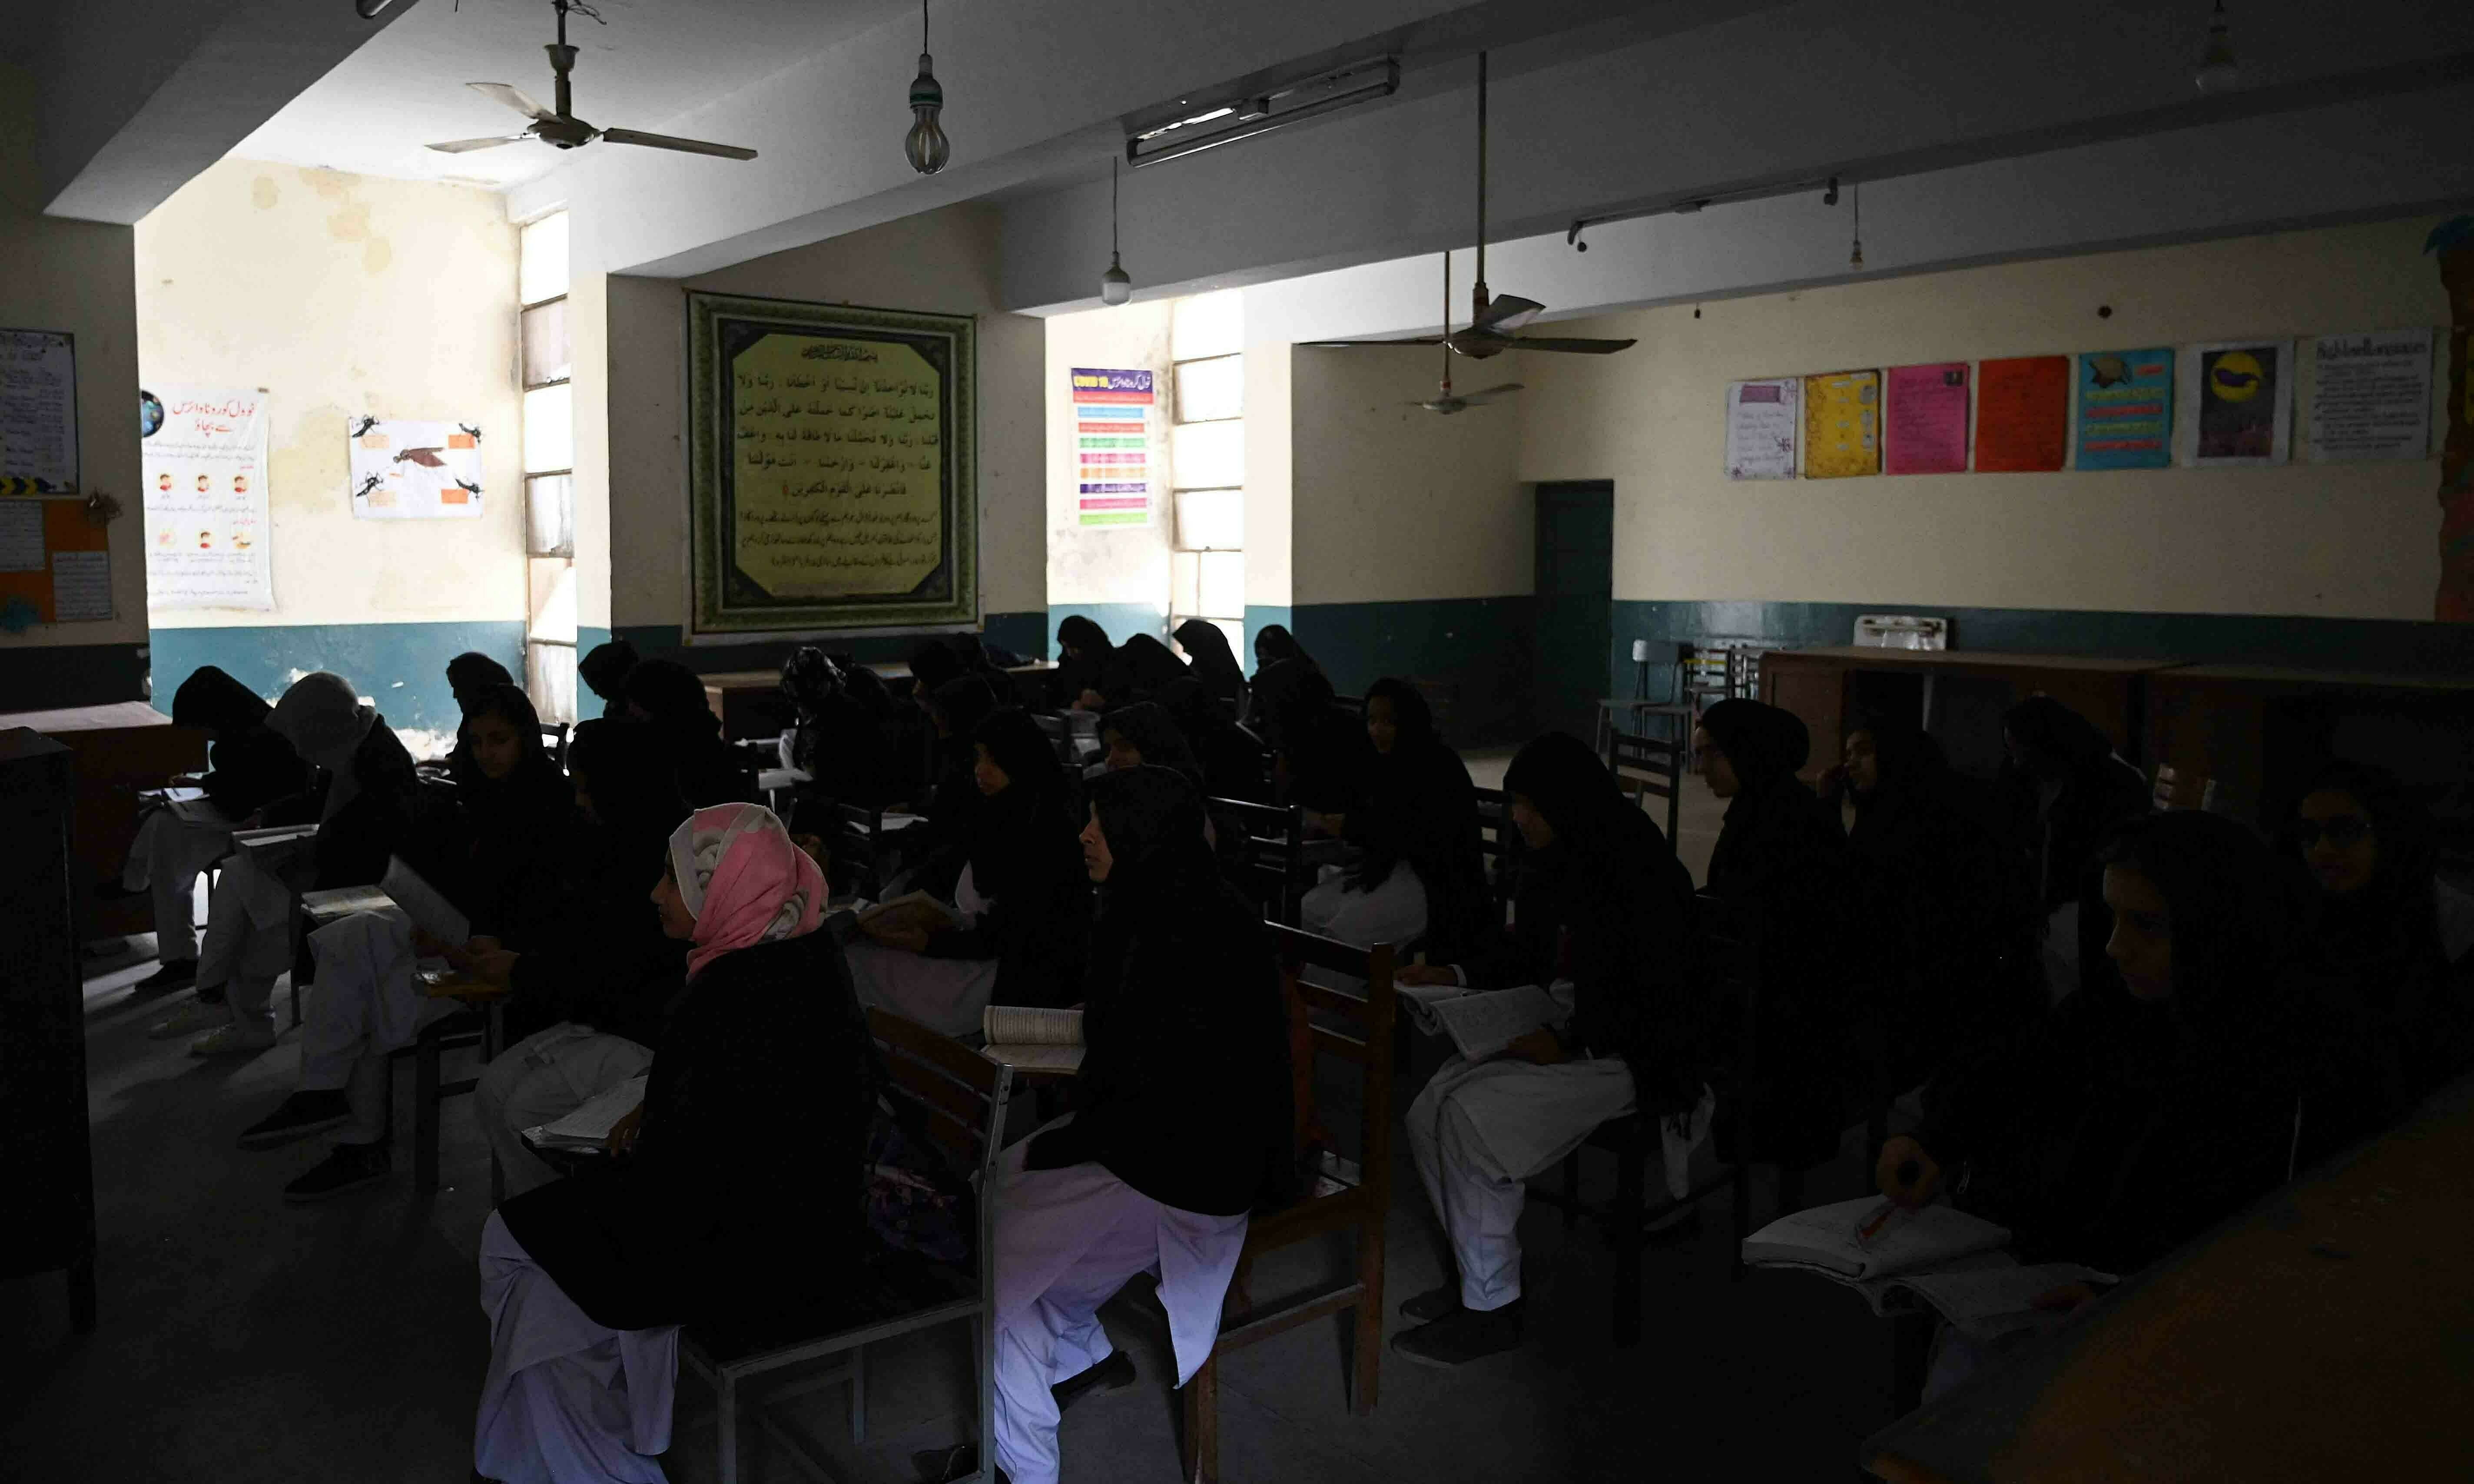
<point>1477,647</point>
<point>1258,617</point>
<point>401,666</point>
<point>1015,631</point>
<point>588,639</point>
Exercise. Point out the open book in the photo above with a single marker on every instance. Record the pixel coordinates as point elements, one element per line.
<point>189,804</point>
<point>1982,1296</point>
<point>339,902</point>
<point>1481,1022</point>
<point>1823,1240</point>
<point>590,1125</point>
<point>429,911</point>
<point>1032,1041</point>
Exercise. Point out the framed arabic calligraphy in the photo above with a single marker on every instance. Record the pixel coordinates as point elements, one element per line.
<point>831,467</point>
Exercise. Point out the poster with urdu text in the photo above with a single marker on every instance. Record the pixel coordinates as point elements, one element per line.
<point>1112,434</point>
<point>209,543</point>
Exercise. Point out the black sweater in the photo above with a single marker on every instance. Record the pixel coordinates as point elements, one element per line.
<point>601,958</point>
<point>249,769</point>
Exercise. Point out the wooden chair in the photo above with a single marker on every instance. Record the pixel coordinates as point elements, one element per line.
<point>1344,1195</point>
<point>1500,844</point>
<point>1649,766</point>
<point>857,843</point>
<point>1269,865</point>
<point>1059,733</point>
<point>960,1097</point>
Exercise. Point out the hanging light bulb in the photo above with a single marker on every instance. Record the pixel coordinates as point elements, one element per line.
<point>1116,285</point>
<point>1855,257</point>
<point>2219,72</point>
<point>926,144</point>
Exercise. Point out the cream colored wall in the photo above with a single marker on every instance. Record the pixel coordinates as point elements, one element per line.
<point>1106,564</point>
<point>2345,540</point>
<point>942,262</point>
<point>74,277</point>
<point>340,295</point>
<point>1393,503</point>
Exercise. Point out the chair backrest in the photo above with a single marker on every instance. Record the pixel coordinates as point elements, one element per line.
<point>1354,705</point>
<point>1649,766</point>
<point>1268,859</point>
<point>554,743</point>
<point>857,843</point>
<point>1363,1038</point>
<point>961,1098</point>
<point>1500,844</point>
<point>1059,732</point>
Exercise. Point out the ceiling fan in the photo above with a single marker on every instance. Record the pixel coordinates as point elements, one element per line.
<point>560,128</point>
<point>1495,323</point>
<point>1444,402</point>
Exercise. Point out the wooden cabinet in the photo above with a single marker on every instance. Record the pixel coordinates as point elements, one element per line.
<point>2257,733</point>
<point>119,749</point>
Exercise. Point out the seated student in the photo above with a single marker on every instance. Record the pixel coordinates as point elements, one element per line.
<point>932,666</point>
<point>1146,667</point>
<point>1321,753</point>
<point>1019,891</point>
<point>837,742</point>
<point>2066,779</point>
<point>1420,873</point>
<point>1210,661</point>
<point>1937,909</point>
<point>669,698</point>
<point>497,863</point>
<point>1142,734</point>
<point>248,768</point>
<point>1231,758</point>
<point>365,798</point>
<point>1603,906</point>
<point>1779,859</point>
<point>978,661</point>
<point>1281,669</point>
<point>2393,942</point>
<point>1087,666</point>
<point>1181,1121</point>
<point>472,673</point>
<point>591,989</point>
<point>766,1068</point>
<point>2138,1110</point>
<point>604,670</point>
<point>955,710</point>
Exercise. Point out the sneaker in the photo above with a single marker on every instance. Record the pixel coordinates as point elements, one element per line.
<point>189,1019</point>
<point>1471,1334</point>
<point>1433,1305</point>
<point>350,1167</point>
<point>298,1116</point>
<point>233,1040</point>
<point>175,974</point>
<point>1114,1374</point>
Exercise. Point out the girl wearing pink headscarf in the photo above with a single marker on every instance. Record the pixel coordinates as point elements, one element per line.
<point>733,1192</point>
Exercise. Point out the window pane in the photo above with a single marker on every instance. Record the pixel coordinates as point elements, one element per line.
<point>550,430</point>
<point>549,679</point>
<point>541,268</point>
<point>554,600</point>
<point>550,516</point>
<point>1207,324</point>
<point>1212,389</point>
<point>1223,585</point>
<point>545,356</point>
<point>1184,589</point>
<point>1205,456</point>
<point>1211,520</point>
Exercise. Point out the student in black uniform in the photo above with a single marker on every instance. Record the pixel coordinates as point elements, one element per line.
<point>1143,734</point>
<point>470,673</point>
<point>1417,872</point>
<point>1212,662</point>
<point>604,670</point>
<point>669,698</point>
<point>2071,792</point>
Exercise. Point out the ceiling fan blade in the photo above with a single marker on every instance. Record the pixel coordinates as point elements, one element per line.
<point>468,146</point>
<point>1350,344</point>
<point>662,142</point>
<point>1479,344</point>
<point>1508,313</point>
<point>513,97</point>
<point>1493,394</point>
<point>1573,346</point>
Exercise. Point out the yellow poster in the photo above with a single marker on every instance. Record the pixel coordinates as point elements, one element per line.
<point>837,462</point>
<point>1842,424</point>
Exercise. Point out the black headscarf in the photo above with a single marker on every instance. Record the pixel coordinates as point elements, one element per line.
<point>1762,742</point>
<point>534,792</point>
<point>809,680</point>
<point>964,702</point>
<point>215,701</point>
<point>1596,828</point>
<point>671,697</point>
<point>932,667</point>
<point>1082,634</point>
<point>2057,738</point>
<point>472,672</point>
<point>1149,728</point>
<point>624,771</point>
<point>1210,660</point>
<point>1152,819</point>
<point>1149,666</point>
<point>2237,909</point>
<point>867,687</point>
<point>1232,761</point>
<point>604,670</point>
<point>1272,643</point>
<point>2388,927</point>
<point>1014,830</point>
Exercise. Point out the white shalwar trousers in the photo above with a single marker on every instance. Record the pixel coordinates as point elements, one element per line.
<point>1480,1128</point>
<point>541,1079</point>
<point>364,1005</point>
<point>1394,912</point>
<point>165,860</point>
<point>1067,1240</point>
<point>567,1401</point>
<point>249,941</point>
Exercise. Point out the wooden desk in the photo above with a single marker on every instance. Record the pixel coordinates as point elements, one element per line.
<point>2258,732</point>
<point>1963,691</point>
<point>119,749</point>
<point>2321,1335</point>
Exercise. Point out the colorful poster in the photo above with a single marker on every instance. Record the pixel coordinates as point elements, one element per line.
<point>2238,405</point>
<point>1112,437</point>
<point>1842,424</point>
<point>415,471</point>
<point>2371,397</point>
<point>55,565</point>
<point>208,541</point>
<point>2125,410</point>
<point>38,428</point>
<point>1764,422</point>
<point>2023,414</point>
<point>1925,422</point>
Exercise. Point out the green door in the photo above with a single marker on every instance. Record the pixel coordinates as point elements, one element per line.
<point>1575,604</point>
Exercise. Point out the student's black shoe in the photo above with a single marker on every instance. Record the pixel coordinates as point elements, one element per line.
<point>1471,1334</point>
<point>940,1465</point>
<point>349,1168</point>
<point>173,974</point>
<point>298,1116</point>
<point>1114,1374</point>
<point>1433,1305</point>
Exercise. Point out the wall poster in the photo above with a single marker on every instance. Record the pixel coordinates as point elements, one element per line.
<point>1925,422</point>
<point>2023,414</point>
<point>207,539</point>
<point>1842,424</point>
<point>2238,405</point>
<point>38,425</point>
<point>1764,426</point>
<point>55,565</point>
<point>1112,432</point>
<point>832,470</point>
<point>2125,410</point>
<point>415,471</point>
<point>2371,397</point>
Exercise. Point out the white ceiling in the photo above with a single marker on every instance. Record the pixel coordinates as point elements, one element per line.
<point>654,61</point>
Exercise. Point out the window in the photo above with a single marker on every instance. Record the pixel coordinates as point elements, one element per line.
<point>549,466</point>
<point>1207,464</point>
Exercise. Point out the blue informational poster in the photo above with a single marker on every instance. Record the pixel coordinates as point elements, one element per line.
<point>2125,410</point>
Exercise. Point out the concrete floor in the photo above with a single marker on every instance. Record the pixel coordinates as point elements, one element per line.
<point>245,1340</point>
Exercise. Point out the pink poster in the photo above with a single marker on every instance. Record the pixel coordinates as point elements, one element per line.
<point>1927,419</point>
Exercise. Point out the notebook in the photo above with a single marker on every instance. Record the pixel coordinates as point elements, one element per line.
<point>343,901</point>
<point>1481,1022</point>
<point>1823,1239</point>
<point>589,1126</point>
<point>429,911</point>
<point>1982,1296</point>
<point>1032,1041</point>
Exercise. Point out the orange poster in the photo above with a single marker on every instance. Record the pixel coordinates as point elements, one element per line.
<point>2023,414</point>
